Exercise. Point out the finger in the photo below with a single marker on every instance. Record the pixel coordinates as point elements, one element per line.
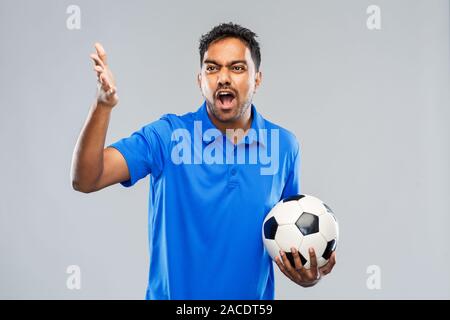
<point>98,69</point>
<point>97,60</point>
<point>101,52</point>
<point>332,261</point>
<point>325,269</point>
<point>104,81</point>
<point>297,261</point>
<point>112,91</point>
<point>313,263</point>
<point>287,264</point>
<point>330,265</point>
<point>282,268</point>
<point>333,257</point>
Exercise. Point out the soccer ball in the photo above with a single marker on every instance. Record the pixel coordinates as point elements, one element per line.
<point>302,222</point>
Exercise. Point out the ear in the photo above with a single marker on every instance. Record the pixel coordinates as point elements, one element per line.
<point>199,80</point>
<point>258,79</point>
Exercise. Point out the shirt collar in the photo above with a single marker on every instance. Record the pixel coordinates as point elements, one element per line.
<point>258,123</point>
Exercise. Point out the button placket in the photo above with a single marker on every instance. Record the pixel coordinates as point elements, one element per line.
<point>233,171</point>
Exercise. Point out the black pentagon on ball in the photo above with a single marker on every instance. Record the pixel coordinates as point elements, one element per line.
<point>308,223</point>
<point>270,228</point>
<point>293,198</point>
<point>331,246</point>
<point>290,257</point>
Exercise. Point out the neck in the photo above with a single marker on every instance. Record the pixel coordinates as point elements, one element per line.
<point>244,123</point>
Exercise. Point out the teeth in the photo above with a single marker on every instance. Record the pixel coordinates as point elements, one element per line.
<point>224,93</point>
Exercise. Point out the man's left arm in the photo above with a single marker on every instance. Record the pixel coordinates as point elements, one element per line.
<point>297,273</point>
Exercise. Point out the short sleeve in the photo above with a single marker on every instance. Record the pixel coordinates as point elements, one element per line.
<point>292,185</point>
<point>144,151</point>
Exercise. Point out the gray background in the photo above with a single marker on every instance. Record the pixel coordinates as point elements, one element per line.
<point>370,109</point>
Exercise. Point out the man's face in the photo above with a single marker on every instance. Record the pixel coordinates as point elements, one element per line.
<point>228,79</point>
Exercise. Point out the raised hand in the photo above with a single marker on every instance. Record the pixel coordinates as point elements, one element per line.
<point>107,91</point>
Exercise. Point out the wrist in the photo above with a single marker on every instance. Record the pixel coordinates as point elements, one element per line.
<point>101,105</point>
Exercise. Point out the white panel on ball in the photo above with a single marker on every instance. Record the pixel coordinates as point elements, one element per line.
<point>321,261</point>
<point>312,205</point>
<point>288,212</point>
<point>288,236</point>
<point>328,227</point>
<point>272,248</point>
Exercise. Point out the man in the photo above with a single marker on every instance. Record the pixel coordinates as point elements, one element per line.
<point>207,202</point>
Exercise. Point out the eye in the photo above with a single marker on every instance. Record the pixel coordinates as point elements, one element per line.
<point>238,68</point>
<point>210,68</point>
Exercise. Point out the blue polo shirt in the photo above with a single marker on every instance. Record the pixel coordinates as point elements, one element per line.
<point>207,201</point>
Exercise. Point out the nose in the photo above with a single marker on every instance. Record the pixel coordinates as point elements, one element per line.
<point>223,78</point>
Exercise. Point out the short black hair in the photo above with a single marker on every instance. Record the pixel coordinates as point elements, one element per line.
<point>231,30</point>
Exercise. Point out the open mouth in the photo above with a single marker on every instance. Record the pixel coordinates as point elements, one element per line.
<point>226,98</point>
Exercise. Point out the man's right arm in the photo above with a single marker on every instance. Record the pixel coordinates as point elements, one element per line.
<point>95,167</point>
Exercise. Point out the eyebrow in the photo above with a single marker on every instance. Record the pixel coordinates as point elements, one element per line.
<point>231,63</point>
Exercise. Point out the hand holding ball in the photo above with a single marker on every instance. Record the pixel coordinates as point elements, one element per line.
<point>302,222</point>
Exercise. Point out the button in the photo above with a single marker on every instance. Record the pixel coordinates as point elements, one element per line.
<point>233,172</point>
